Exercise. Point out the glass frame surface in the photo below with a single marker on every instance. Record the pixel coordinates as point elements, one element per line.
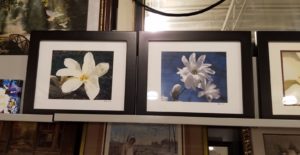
<point>275,73</point>
<point>43,46</point>
<point>181,41</point>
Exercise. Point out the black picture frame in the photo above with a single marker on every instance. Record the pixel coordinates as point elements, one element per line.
<point>119,47</point>
<point>271,45</point>
<point>213,39</point>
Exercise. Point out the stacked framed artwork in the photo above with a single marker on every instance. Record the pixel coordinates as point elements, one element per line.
<point>195,74</point>
<point>278,68</point>
<point>179,73</point>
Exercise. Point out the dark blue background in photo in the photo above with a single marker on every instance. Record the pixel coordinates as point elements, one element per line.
<point>105,81</point>
<point>171,61</point>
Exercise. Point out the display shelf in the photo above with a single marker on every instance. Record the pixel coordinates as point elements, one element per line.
<point>210,121</point>
<point>26,117</point>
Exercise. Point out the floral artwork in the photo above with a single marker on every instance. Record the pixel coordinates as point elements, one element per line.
<point>291,77</point>
<point>143,139</point>
<point>10,96</point>
<point>194,76</point>
<point>81,75</point>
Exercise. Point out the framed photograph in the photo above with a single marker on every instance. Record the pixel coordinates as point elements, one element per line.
<point>10,96</point>
<point>140,139</point>
<point>81,72</point>
<point>278,63</point>
<point>270,141</point>
<point>19,17</point>
<point>195,74</point>
<point>219,148</point>
<point>12,79</point>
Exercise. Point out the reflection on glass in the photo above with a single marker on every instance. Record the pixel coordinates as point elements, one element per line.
<point>289,100</point>
<point>230,15</point>
<point>152,95</point>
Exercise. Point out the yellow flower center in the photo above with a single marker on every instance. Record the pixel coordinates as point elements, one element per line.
<point>83,77</point>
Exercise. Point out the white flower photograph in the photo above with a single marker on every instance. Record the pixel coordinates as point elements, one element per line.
<point>194,76</point>
<point>83,75</point>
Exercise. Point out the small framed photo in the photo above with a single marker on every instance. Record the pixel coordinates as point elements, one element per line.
<point>12,79</point>
<point>278,63</point>
<point>219,148</point>
<point>270,141</point>
<point>195,74</point>
<point>81,72</point>
<point>142,139</point>
<point>10,96</point>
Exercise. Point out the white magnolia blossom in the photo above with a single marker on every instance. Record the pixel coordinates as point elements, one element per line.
<point>194,71</point>
<point>4,100</point>
<point>87,75</point>
<point>210,91</point>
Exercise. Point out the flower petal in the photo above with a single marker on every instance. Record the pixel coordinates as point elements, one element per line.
<point>70,85</point>
<point>192,58</point>
<point>185,61</point>
<point>72,64</point>
<point>88,63</point>
<point>201,60</point>
<point>101,69</point>
<point>189,82</point>
<point>68,72</point>
<point>92,87</point>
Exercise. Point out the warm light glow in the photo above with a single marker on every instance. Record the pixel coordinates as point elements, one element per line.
<point>289,100</point>
<point>154,22</point>
<point>152,95</point>
<point>211,148</point>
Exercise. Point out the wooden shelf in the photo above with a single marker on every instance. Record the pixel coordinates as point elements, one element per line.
<point>26,117</point>
<point>210,121</point>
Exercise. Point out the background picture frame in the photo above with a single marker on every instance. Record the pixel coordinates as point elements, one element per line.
<point>271,141</point>
<point>164,61</point>
<point>143,139</point>
<point>20,17</point>
<point>219,148</point>
<point>105,66</point>
<point>277,74</point>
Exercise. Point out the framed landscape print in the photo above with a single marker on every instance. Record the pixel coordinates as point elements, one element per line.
<point>81,72</point>
<point>19,17</point>
<point>278,68</point>
<point>270,141</point>
<point>140,139</point>
<point>195,74</point>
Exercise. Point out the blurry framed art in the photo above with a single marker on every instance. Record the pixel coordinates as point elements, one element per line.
<point>219,148</point>
<point>81,72</point>
<point>12,78</point>
<point>278,68</point>
<point>142,139</point>
<point>20,17</point>
<point>270,141</point>
<point>195,74</point>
